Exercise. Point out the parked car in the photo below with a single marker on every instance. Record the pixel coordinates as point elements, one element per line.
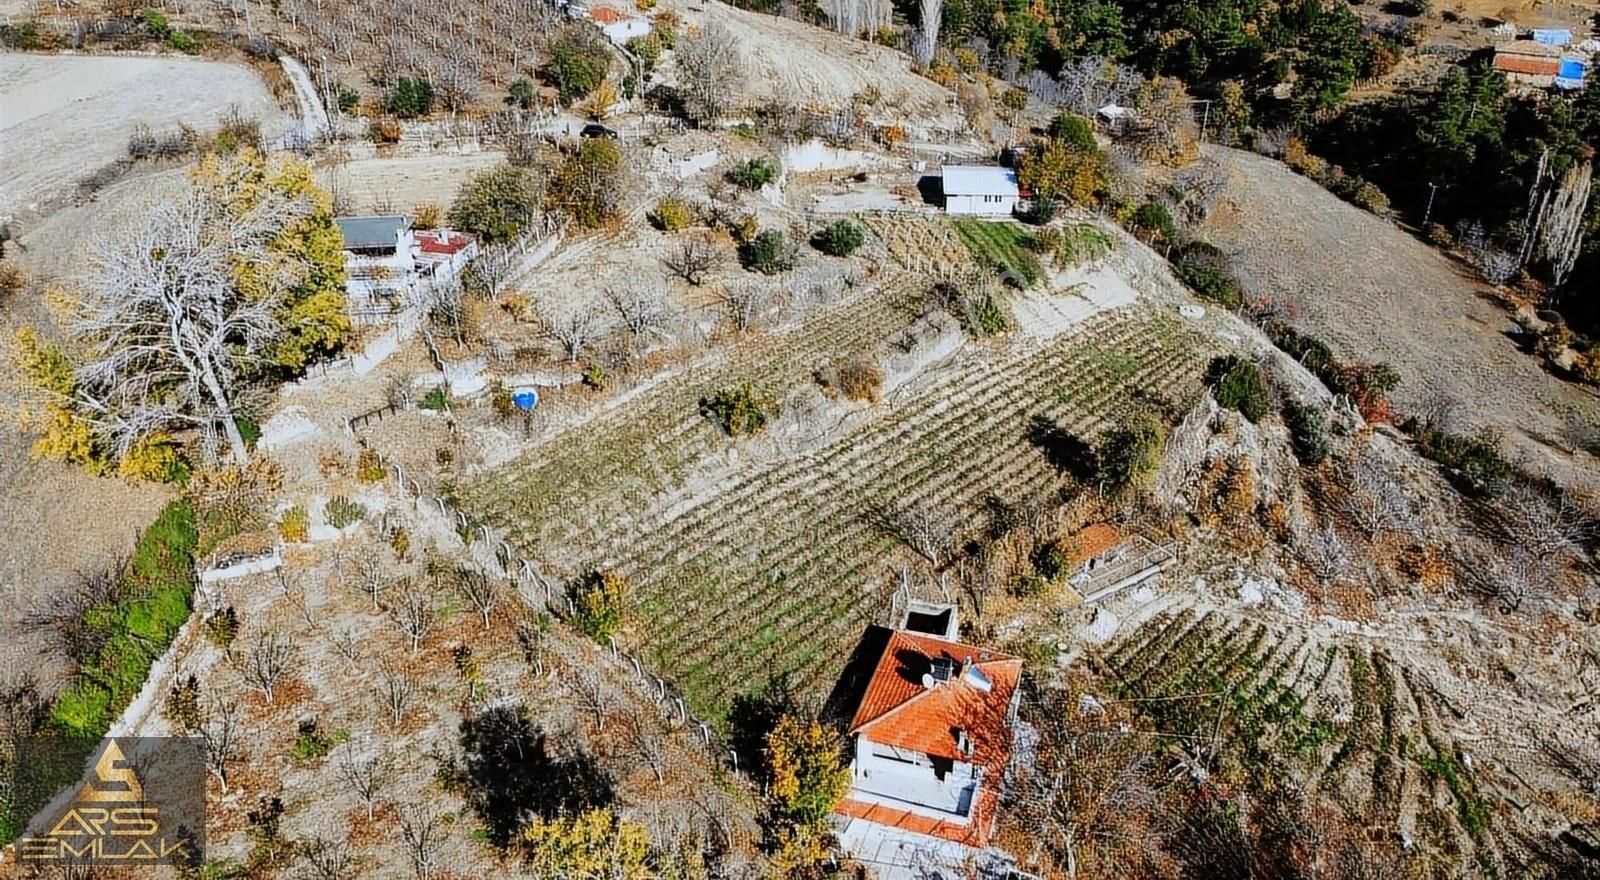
<point>596,130</point>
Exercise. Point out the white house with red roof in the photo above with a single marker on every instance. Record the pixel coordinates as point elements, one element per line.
<point>385,259</point>
<point>932,736</point>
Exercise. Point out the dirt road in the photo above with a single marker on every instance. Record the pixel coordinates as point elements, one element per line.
<point>1377,293</point>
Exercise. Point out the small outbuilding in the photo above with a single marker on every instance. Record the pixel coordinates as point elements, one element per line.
<point>980,190</point>
<point>1525,62</point>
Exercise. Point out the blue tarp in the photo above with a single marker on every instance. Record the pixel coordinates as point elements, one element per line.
<point>1571,68</point>
<point>1552,36</point>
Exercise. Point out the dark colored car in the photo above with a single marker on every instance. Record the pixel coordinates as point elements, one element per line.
<point>596,130</point>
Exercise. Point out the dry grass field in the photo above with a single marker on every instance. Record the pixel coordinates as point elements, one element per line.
<point>1377,293</point>
<point>68,116</point>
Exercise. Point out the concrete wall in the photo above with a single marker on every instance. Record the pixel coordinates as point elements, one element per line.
<point>978,207</point>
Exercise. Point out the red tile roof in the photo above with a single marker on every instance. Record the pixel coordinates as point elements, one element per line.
<point>974,833</point>
<point>1094,540</point>
<point>1526,64</point>
<point>607,15</point>
<point>442,242</point>
<point>897,710</point>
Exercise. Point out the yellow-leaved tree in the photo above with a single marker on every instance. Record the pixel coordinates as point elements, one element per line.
<point>593,844</point>
<point>304,269</point>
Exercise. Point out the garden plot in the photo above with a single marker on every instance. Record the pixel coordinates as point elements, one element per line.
<point>400,183</point>
<point>1367,722</point>
<point>748,561</point>
<point>68,116</point>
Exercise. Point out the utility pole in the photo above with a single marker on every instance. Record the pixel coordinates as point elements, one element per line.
<point>1433,189</point>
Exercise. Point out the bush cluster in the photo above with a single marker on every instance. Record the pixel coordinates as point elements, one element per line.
<point>1237,384</point>
<point>740,410</point>
<point>841,238</point>
<point>1205,269</point>
<point>599,602</point>
<point>1475,463</point>
<point>672,215</point>
<point>138,624</point>
<point>753,173</point>
<point>412,96</point>
<point>1308,433</point>
<point>341,512</point>
<point>769,253</point>
<point>1351,187</point>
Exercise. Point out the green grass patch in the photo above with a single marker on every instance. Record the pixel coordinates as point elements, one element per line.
<point>1002,247</point>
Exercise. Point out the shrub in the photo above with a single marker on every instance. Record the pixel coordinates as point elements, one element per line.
<point>412,96</point>
<point>501,400</point>
<point>1154,222</point>
<point>341,512</point>
<point>588,183</point>
<point>348,99</point>
<point>647,49</point>
<point>183,42</point>
<point>311,744</point>
<point>856,378</point>
<point>1311,352</point>
<point>579,61</point>
<point>753,173</point>
<point>522,94</point>
<point>1237,384</point>
<point>369,466</point>
<point>427,215</point>
<point>840,238</point>
<point>672,215</point>
<point>1081,243</point>
<point>384,131</point>
<point>294,525</point>
<point>435,400</point>
<point>805,766</point>
<point>1475,462</point>
<point>497,203</point>
<point>156,24</point>
<point>222,628</point>
<point>769,253</point>
<point>1073,131</point>
<point>1205,269</point>
<point>1308,434</point>
<point>599,602</point>
<point>740,410</point>
<point>1128,456</point>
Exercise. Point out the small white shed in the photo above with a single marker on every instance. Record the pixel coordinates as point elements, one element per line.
<point>983,190</point>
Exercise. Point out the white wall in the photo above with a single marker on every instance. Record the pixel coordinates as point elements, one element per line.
<point>975,205</point>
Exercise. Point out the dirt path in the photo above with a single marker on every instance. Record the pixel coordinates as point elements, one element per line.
<point>1376,293</point>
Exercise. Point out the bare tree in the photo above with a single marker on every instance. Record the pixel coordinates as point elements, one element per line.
<point>710,70</point>
<point>488,274</point>
<point>368,572</point>
<point>168,337</point>
<point>368,770</point>
<point>1377,502</point>
<point>347,643</point>
<point>694,259</point>
<point>1325,554</point>
<point>592,695</point>
<point>643,311</point>
<point>928,34</point>
<point>571,326</point>
<point>1515,578</point>
<point>928,534</point>
<point>747,302</point>
<point>268,662</point>
<point>1089,792</point>
<point>422,831</point>
<point>644,735</point>
<point>1544,520</point>
<point>395,690</point>
<point>481,591</point>
<point>220,734</point>
<point>413,614</point>
<point>1086,84</point>
<point>441,300</point>
<point>327,856</point>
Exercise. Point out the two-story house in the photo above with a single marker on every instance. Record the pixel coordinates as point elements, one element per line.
<point>932,736</point>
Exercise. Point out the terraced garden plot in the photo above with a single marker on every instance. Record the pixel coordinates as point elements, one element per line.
<point>1002,247</point>
<point>1344,720</point>
<point>776,570</point>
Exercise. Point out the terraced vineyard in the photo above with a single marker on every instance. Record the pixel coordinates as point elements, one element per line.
<point>1250,701</point>
<point>770,566</point>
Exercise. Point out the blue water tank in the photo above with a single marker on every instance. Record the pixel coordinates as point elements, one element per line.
<point>525,400</point>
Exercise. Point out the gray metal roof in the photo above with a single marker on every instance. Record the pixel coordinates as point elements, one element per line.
<point>372,232</point>
<point>979,180</point>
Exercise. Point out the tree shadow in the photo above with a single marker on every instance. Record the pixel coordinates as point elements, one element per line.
<point>931,188</point>
<point>1066,451</point>
<point>752,716</point>
<point>511,776</point>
